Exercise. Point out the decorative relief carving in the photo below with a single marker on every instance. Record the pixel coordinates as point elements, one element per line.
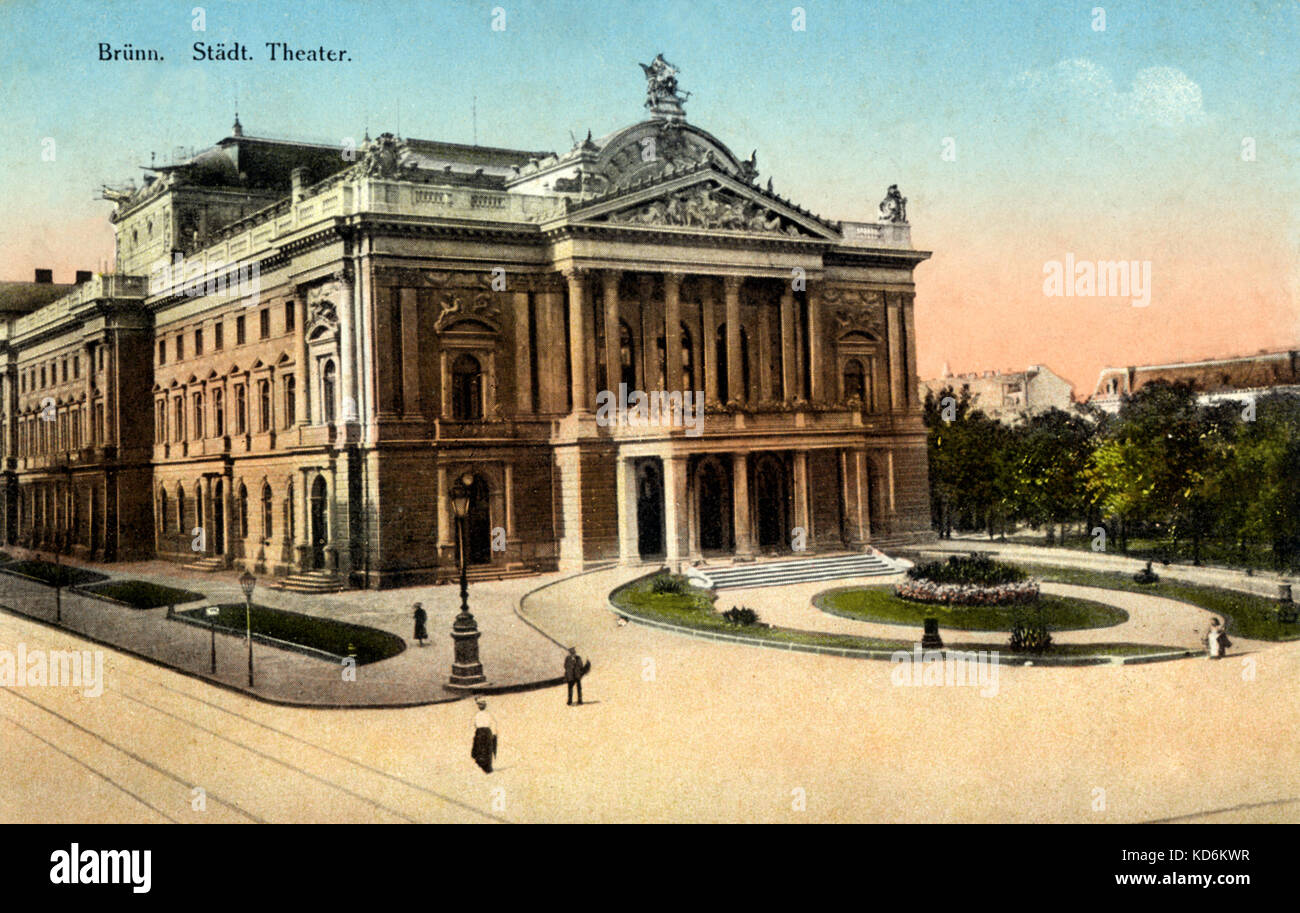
<point>893,208</point>
<point>457,305</point>
<point>703,206</point>
<point>383,158</point>
<point>855,309</point>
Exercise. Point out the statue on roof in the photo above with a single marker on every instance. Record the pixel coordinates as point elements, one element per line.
<point>893,208</point>
<point>662,96</point>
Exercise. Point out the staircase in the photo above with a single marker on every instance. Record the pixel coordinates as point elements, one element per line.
<point>311,582</point>
<point>208,565</point>
<point>797,570</point>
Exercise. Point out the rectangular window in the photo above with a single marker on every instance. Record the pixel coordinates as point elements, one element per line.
<point>264,323</point>
<point>63,369</point>
<point>264,405</point>
<point>218,337</point>
<point>241,408</point>
<point>180,348</point>
<point>290,313</point>
<point>198,342</point>
<point>162,351</point>
<point>42,377</point>
<point>239,330</point>
<point>76,366</point>
<point>101,359</point>
<point>178,432</point>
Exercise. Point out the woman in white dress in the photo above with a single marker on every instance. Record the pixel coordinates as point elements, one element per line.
<point>1216,640</point>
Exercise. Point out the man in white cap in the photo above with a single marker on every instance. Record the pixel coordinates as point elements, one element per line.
<point>485,737</point>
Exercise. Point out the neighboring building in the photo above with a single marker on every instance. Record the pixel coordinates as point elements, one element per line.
<point>1243,378</point>
<point>348,335</point>
<point>1009,395</point>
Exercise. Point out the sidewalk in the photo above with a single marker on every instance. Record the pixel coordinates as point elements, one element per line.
<point>514,656</point>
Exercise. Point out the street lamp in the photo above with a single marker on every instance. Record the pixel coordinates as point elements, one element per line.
<point>465,668</point>
<point>247,581</point>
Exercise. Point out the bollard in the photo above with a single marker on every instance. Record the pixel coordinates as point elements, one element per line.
<point>930,640</point>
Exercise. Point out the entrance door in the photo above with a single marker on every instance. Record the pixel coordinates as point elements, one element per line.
<point>218,519</point>
<point>478,523</point>
<point>319,526</point>
<point>770,502</point>
<point>714,508</point>
<point>649,509</point>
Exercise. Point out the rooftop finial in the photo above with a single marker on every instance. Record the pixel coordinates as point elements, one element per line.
<point>238,129</point>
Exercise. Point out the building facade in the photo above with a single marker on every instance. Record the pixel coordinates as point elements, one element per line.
<point>304,348</point>
<point>1009,395</point>
<point>1242,378</point>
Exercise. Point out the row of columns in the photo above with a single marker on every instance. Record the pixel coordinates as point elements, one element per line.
<point>680,536</point>
<point>582,334</point>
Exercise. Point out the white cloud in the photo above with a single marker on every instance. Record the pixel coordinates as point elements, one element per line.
<point>1159,96</point>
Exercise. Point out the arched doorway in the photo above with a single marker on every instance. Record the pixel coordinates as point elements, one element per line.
<point>771,503</point>
<point>478,523</point>
<point>649,509</point>
<point>319,523</point>
<point>875,500</point>
<point>715,506</point>
<point>218,519</point>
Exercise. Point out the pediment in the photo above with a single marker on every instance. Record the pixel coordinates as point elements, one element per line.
<point>705,201</point>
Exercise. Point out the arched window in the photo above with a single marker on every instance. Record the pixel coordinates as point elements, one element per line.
<point>626,355</point>
<point>268,512</point>
<point>241,410</point>
<point>328,391</point>
<point>218,413</point>
<point>243,511</point>
<point>180,507</point>
<point>288,514</point>
<point>688,360</point>
<point>290,400</point>
<point>854,380</point>
<point>466,389</point>
<point>198,416</point>
<point>162,508</point>
<point>264,405</point>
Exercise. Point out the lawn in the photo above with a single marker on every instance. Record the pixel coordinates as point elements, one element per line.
<point>879,604</point>
<point>1246,614</point>
<point>140,594</point>
<point>52,574</point>
<point>694,610</point>
<point>337,637</point>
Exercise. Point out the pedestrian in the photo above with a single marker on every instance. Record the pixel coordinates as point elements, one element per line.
<point>421,618</point>
<point>574,670</point>
<point>1216,640</point>
<point>485,737</point>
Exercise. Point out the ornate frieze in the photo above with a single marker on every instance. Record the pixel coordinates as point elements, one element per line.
<point>455,305</point>
<point>704,206</point>
<point>855,309</point>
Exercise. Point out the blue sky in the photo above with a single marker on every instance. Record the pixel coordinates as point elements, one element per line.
<point>1111,143</point>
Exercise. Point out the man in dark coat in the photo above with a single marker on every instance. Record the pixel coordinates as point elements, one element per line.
<point>574,670</point>
<point>484,749</point>
<point>421,620</point>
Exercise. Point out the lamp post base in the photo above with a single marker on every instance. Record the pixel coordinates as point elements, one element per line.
<point>466,670</point>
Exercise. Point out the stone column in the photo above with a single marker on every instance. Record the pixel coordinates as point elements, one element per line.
<point>802,501</point>
<point>708,348</point>
<point>673,331</point>
<point>581,396</point>
<point>206,520</point>
<point>816,361</point>
<point>303,402</point>
<point>895,324</point>
<point>735,372</point>
<point>410,367</point>
<point>612,354</point>
<point>523,355</point>
<point>550,340</point>
<point>649,333</point>
<point>740,505</point>
<point>625,482</point>
<point>675,546</point>
<point>302,520</point>
<point>110,390</point>
<point>348,413</point>
<point>911,381</point>
<point>789,383</point>
<point>764,353</point>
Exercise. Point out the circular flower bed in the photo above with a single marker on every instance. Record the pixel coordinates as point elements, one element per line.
<point>976,581</point>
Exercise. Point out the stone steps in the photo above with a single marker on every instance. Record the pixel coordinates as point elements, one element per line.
<point>311,582</point>
<point>208,565</point>
<point>797,570</point>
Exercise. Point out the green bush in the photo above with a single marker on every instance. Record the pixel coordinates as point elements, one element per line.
<point>340,638</point>
<point>743,616</point>
<point>976,569</point>
<point>669,583</point>
<point>140,594</point>
<point>52,574</point>
<point>1030,635</point>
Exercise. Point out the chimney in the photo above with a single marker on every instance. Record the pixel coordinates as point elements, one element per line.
<point>45,276</point>
<point>299,177</point>
<point>83,275</point>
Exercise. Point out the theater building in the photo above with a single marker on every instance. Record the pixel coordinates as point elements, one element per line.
<point>339,336</point>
